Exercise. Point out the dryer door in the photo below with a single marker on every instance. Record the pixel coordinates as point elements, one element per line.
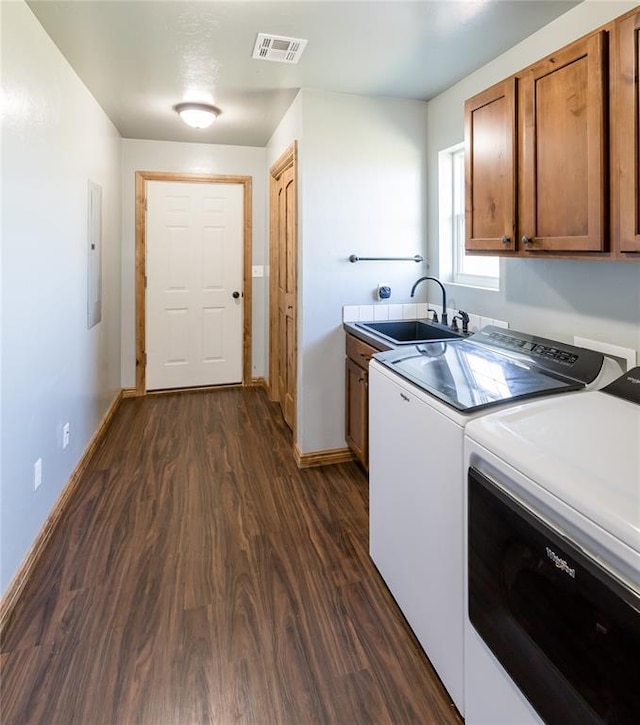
<point>565,630</point>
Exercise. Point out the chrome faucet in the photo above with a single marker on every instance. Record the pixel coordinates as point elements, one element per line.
<point>444,319</point>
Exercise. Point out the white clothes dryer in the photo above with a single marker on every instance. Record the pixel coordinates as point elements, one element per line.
<point>552,561</point>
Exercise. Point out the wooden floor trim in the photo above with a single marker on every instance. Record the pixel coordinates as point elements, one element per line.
<point>322,458</point>
<point>30,561</point>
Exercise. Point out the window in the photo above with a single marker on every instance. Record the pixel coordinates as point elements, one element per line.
<point>455,263</point>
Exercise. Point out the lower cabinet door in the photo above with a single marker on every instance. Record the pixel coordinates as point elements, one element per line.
<point>357,411</point>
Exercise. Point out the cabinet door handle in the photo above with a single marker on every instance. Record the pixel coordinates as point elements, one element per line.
<point>404,397</point>
<point>506,240</point>
<point>527,240</point>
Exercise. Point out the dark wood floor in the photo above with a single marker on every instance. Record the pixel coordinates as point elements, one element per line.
<point>200,577</point>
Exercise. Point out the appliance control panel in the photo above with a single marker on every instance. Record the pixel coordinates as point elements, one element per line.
<point>549,351</point>
<point>566,360</point>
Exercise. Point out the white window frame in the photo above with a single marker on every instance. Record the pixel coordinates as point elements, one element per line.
<point>451,202</point>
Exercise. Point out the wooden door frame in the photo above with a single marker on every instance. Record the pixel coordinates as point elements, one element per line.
<point>288,159</point>
<point>141,262</point>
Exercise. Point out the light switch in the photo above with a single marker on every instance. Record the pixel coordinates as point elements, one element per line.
<point>257,270</point>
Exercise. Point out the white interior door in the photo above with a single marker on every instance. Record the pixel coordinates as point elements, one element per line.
<point>194,256</point>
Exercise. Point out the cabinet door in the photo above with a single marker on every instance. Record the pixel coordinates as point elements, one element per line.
<point>357,411</point>
<point>490,169</point>
<point>562,155</point>
<point>627,120</point>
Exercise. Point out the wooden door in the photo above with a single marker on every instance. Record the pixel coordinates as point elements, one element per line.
<point>627,125</point>
<point>283,286</point>
<point>490,169</point>
<point>562,160</point>
<point>287,295</point>
<point>194,325</point>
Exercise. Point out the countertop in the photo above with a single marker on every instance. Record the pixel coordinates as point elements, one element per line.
<point>378,342</point>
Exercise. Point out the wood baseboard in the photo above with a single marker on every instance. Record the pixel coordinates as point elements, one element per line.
<point>322,458</point>
<point>259,383</point>
<point>18,583</point>
<point>128,393</point>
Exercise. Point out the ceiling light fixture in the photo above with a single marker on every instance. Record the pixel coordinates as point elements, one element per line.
<point>197,115</point>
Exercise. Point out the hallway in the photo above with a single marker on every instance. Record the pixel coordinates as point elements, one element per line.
<point>200,577</point>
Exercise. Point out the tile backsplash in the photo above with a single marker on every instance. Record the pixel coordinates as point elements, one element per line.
<point>410,311</point>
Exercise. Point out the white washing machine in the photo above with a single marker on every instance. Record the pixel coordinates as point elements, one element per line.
<point>421,397</point>
<point>552,565</point>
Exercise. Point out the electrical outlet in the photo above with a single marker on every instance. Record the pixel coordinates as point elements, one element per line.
<point>37,474</point>
<point>66,433</point>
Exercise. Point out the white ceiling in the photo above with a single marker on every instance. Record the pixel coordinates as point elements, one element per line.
<point>141,57</point>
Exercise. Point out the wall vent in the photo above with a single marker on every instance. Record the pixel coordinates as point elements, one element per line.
<point>278,48</point>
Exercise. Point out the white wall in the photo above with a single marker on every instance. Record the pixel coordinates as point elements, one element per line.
<point>289,130</point>
<point>559,299</point>
<point>192,158</point>
<point>55,138</point>
<point>362,191</point>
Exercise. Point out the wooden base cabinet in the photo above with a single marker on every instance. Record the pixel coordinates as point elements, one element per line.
<point>357,397</point>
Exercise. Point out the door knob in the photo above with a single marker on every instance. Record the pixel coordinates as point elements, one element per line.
<point>527,240</point>
<point>506,239</point>
<point>235,295</point>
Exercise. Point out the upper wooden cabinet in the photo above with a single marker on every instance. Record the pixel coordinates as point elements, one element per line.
<point>490,169</point>
<point>626,172</point>
<point>562,162</point>
<point>553,153</point>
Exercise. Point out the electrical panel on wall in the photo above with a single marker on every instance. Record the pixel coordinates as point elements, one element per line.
<point>94,254</point>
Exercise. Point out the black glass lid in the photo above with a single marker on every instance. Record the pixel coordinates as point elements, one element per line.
<point>469,376</point>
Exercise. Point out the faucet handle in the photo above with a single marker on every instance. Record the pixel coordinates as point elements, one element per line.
<point>435,314</point>
<point>464,317</point>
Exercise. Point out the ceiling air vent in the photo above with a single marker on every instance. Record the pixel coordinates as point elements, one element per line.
<point>278,48</point>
